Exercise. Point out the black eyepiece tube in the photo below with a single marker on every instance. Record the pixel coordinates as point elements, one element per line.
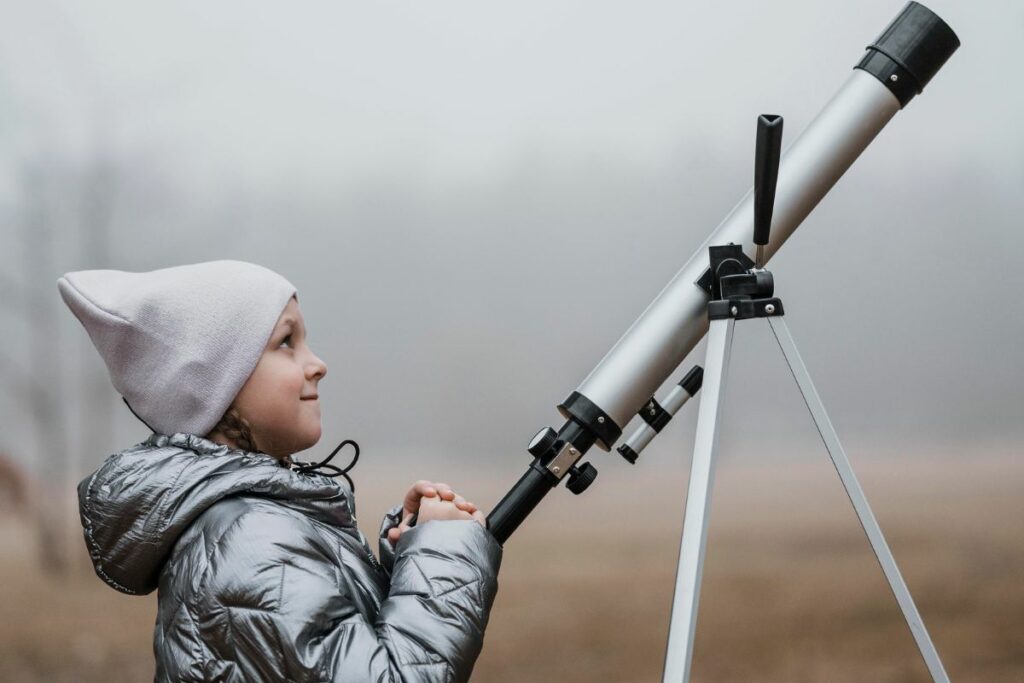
<point>766,173</point>
<point>531,488</point>
<point>519,502</point>
<point>910,51</point>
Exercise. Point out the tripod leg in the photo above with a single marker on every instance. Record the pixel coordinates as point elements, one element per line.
<point>683,622</point>
<point>860,502</point>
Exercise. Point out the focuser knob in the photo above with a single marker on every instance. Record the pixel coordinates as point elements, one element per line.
<point>542,442</point>
<point>581,477</point>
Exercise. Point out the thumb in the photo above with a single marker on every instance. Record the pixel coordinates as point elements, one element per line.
<point>406,519</point>
<point>395,532</point>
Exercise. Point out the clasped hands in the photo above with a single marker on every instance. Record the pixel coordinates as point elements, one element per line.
<point>433,501</point>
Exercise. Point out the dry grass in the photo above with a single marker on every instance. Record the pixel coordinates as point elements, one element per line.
<point>791,590</point>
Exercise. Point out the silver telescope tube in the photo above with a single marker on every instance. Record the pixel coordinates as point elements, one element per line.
<point>658,341</point>
<point>894,68</point>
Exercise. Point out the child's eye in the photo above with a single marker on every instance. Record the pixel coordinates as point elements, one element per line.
<point>287,340</point>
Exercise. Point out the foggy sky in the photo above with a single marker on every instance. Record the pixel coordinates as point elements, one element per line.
<point>476,201</point>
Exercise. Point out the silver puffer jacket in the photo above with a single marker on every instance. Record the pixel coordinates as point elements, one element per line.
<point>263,575</point>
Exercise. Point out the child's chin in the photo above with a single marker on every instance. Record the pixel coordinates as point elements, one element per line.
<point>313,434</point>
<point>301,440</point>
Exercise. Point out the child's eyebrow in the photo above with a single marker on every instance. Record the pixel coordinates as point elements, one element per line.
<point>294,323</point>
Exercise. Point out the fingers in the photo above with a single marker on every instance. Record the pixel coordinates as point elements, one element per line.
<point>445,491</point>
<point>436,508</point>
<point>436,491</point>
<point>424,488</point>
<point>418,490</point>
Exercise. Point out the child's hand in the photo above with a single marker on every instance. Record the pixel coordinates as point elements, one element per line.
<point>438,509</point>
<point>424,488</point>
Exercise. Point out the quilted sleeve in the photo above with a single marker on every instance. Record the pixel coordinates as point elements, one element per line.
<point>392,518</point>
<point>281,609</point>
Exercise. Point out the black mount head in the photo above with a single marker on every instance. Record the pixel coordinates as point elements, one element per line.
<point>741,288</point>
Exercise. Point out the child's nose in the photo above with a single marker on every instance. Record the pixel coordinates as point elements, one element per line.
<point>319,368</point>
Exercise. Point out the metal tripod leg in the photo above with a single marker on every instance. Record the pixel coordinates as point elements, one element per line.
<point>698,501</point>
<point>860,502</point>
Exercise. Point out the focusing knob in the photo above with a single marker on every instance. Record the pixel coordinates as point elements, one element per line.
<point>542,442</point>
<point>581,477</point>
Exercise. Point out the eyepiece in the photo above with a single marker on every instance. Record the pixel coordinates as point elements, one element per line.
<point>910,51</point>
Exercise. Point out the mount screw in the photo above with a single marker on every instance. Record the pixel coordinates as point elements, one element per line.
<point>894,78</point>
<point>600,420</point>
<point>734,310</point>
<point>769,309</point>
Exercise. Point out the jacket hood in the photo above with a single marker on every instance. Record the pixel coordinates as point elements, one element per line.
<point>138,503</point>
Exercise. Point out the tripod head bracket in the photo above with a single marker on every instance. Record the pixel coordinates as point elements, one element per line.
<point>740,291</point>
<point>733,252</point>
<point>742,309</point>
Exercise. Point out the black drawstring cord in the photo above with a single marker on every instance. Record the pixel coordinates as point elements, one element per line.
<point>302,467</point>
<point>333,470</point>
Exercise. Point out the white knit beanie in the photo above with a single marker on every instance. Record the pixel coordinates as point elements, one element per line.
<point>179,342</point>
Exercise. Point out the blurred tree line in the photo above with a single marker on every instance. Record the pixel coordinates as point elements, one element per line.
<point>55,198</point>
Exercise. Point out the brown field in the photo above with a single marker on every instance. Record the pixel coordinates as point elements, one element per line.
<point>791,591</point>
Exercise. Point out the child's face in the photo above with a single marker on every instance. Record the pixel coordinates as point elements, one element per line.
<point>276,397</point>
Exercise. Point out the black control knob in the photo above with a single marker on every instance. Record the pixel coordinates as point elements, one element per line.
<point>581,477</point>
<point>542,442</point>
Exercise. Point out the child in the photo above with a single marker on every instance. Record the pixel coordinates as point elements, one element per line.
<point>261,571</point>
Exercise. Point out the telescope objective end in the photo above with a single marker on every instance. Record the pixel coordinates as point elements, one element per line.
<point>910,51</point>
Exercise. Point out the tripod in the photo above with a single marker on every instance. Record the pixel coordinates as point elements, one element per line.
<point>741,292</point>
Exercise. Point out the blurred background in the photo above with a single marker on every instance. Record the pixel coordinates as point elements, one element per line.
<point>475,201</point>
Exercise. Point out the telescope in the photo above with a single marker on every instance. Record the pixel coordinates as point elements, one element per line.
<point>725,282</point>
<point>894,68</point>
